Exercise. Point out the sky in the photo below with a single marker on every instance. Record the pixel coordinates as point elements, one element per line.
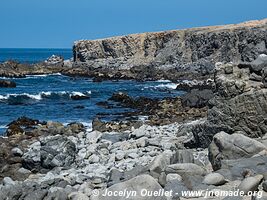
<point>58,23</point>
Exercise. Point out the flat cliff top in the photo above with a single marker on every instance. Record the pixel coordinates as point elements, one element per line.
<point>247,24</point>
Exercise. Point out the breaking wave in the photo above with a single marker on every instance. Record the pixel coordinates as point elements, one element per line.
<point>25,98</point>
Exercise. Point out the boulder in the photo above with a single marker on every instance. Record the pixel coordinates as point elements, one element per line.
<point>258,64</point>
<point>159,164</point>
<point>238,168</point>
<point>214,179</point>
<point>237,145</point>
<point>185,169</point>
<point>138,184</point>
<point>50,152</point>
<point>264,186</point>
<point>250,184</point>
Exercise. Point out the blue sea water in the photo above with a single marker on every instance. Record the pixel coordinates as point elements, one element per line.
<point>48,97</point>
<point>32,55</point>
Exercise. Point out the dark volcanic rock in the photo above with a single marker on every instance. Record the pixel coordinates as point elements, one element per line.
<point>197,98</point>
<point>20,126</point>
<point>7,84</point>
<point>79,97</point>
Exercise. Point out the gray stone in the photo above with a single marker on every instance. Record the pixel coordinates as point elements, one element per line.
<point>185,169</point>
<point>228,68</point>
<point>94,159</point>
<point>17,152</point>
<point>159,164</point>
<point>250,184</point>
<point>225,146</point>
<point>136,184</point>
<point>54,151</point>
<point>8,181</point>
<point>214,179</point>
<point>236,168</point>
<point>264,186</point>
<point>38,194</point>
<point>171,177</point>
<point>77,196</point>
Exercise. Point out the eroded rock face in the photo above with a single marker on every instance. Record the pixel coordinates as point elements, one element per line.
<point>239,103</point>
<point>192,49</point>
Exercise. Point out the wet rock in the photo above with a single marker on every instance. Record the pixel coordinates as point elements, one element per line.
<point>79,97</point>
<point>225,146</point>
<point>7,84</point>
<point>20,126</point>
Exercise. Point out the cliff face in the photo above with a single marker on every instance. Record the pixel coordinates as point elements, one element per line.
<point>178,48</point>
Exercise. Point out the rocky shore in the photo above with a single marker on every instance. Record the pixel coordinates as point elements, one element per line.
<point>211,139</point>
<point>223,149</point>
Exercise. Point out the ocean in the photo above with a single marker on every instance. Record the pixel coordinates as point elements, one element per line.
<point>48,97</point>
<point>32,55</point>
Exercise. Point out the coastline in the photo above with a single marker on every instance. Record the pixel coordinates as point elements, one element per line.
<point>212,138</point>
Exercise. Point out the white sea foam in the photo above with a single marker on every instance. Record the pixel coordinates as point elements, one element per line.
<point>78,94</point>
<point>171,86</point>
<point>163,81</point>
<point>42,95</point>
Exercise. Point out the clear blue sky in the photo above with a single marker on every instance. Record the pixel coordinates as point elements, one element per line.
<point>58,23</point>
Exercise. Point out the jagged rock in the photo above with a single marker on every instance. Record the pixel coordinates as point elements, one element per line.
<point>54,60</point>
<point>197,98</point>
<point>203,46</point>
<point>56,151</point>
<point>214,179</point>
<point>235,146</point>
<point>7,84</point>
<point>20,126</point>
<point>239,105</point>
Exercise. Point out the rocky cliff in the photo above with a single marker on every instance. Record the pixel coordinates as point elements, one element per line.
<point>195,48</point>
